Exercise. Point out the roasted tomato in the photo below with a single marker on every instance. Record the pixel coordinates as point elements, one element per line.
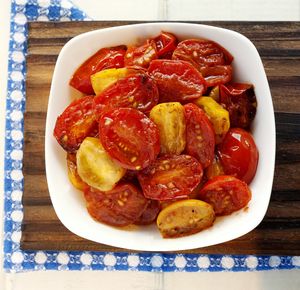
<point>104,78</point>
<point>177,81</point>
<point>239,155</point>
<point>215,93</point>
<point>226,194</point>
<point>95,167</point>
<point>110,57</point>
<point>202,53</point>
<point>141,55</point>
<point>150,213</point>
<point>119,207</point>
<point>185,217</point>
<point>129,137</point>
<point>200,135</point>
<point>136,91</point>
<point>170,120</point>
<point>170,177</point>
<point>165,44</point>
<point>216,75</point>
<point>75,123</point>
<point>240,102</point>
<point>73,175</point>
<point>218,116</point>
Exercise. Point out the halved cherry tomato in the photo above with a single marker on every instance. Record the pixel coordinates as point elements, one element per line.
<point>119,207</point>
<point>216,75</point>
<point>238,154</point>
<point>165,43</point>
<point>185,217</point>
<point>141,55</point>
<point>129,137</point>
<point>202,53</point>
<point>226,194</point>
<point>170,177</point>
<point>200,135</point>
<point>177,80</point>
<point>137,91</point>
<point>109,57</point>
<point>240,102</point>
<point>75,123</point>
<point>150,213</point>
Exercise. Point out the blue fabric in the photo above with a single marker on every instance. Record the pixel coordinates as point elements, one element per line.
<point>16,260</point>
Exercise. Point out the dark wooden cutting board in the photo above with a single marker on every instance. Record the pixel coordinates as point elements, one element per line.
<point>279,233</point>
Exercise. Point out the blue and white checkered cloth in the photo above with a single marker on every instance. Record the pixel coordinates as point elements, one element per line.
<point>17,260</point>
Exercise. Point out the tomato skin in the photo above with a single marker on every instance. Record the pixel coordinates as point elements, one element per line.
<point>108,57</point>
<point>129,137</point>
<point>121,206</point>
<point>75,123</point>
<point>202,53</point>
<point>177,81</point>
<point>137,91</point>
<point>149,214</point>
<point>217,75</point>
<point>141,55</point>
<point>226,194</point>
<point>238,154</point>
<point>170,177</point>
<point>200,135</point>
<point>165,44</point>
<point>240,101</point>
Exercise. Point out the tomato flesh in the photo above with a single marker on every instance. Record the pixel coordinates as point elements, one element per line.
<point>170,177</point>
<point>240,102</point>
<point>129,137</point>
<point>165,44</point>
<point>119,207</point>
<point>76,123</point>
<point>226,194</point>
<point>202,53</point>
<point>238,154</point>
<point>216,75</point>
<point>177,81</point>
<point>109,57</point>
<point>141,55</point>
<point>135,91</point>
<point>150,213</point>
<point>200,135</point>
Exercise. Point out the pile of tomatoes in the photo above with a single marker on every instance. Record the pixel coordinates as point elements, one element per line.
<point>161,134</point>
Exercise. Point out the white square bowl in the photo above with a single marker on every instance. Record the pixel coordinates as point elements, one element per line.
<point>69,203</point>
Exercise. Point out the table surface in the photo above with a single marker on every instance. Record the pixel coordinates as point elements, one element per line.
<point>279,232</point>
<point>157,10</point>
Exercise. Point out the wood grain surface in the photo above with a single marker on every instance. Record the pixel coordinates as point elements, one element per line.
<point>279,233</point>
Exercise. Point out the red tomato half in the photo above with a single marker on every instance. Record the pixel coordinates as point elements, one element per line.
<point>119,207</point>
<point>216,75</point>
<point>170,177</point>
<point>129,137</point>
<point>238,154</point>
<point>200,135</point>
<point>110,57</point>
<point>240,101</point>
<point>177,80</point>
<point>202,52</point>
<point>165,44</point>
<point>226,194</point>
<point>136,91</point>
<point>141,55</point>
<point>75,123</point>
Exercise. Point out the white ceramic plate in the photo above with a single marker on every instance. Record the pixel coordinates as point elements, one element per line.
<point>69,203</point>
